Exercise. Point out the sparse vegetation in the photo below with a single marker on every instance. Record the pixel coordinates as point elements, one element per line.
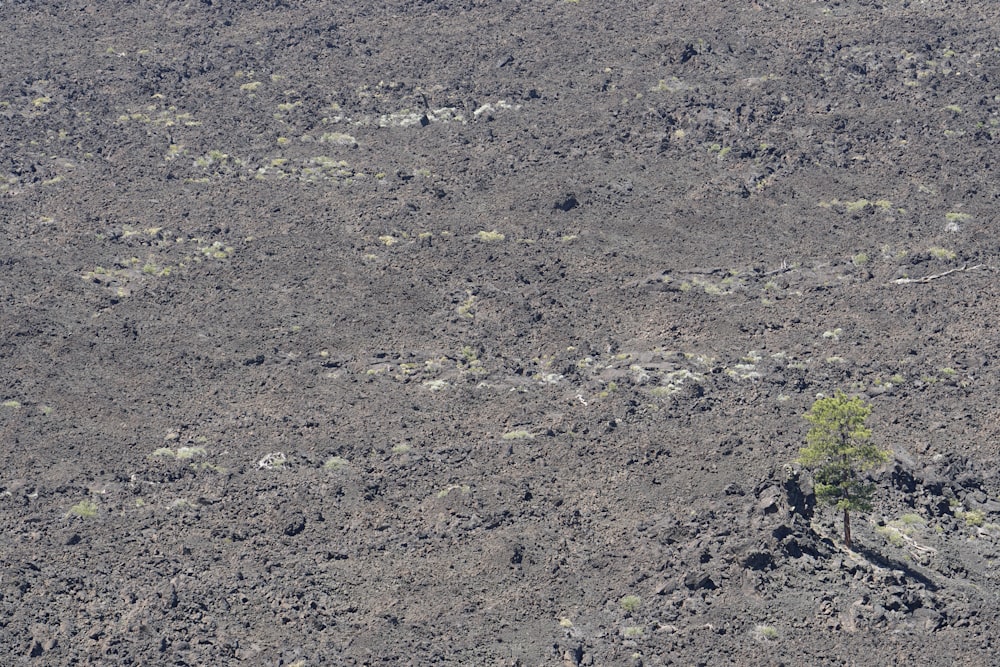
<point>434,385</point>
<point>833,334</point>
<point>620,371</point>
<point>631,603</point>
<point>190,452</point>
<point>489,236</point>
<point>85,509</point>
<point>972,518</point>
<point>335,463</point>
<point>216,250</point>
<point>899,532</point>
<point>942,253</point>
<point>338,139</point>
<point>467,308</point>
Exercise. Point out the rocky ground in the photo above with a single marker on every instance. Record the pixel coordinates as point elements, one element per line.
<point>481,333</point>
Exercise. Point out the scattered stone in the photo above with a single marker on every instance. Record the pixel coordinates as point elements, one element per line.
<point>294,524</point>
<point>757,560</point>
<point>696,580</point>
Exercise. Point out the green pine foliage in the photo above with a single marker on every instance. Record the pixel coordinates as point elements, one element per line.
<point>839,451</point>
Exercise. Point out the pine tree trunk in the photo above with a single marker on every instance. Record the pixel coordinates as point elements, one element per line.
<point>847,529</point>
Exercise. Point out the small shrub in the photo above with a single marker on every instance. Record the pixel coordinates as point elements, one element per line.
<point>856,206</point>
<point>973,518</point>
<point>766,632</point>
<point>434,385</point>
<point>489,236</point>
<point>190,452</point>
<point>631,603</point>
<point>611,388</point>
<point>633,631</point>
<point>518,435</point>
<point>469,355</point>
<point>900,531</point>
<point>942,253</point>
<point>467,308</point>
<point>336,463</point>
<point>339,139</point>
<point>85,509</point>
<point>892,535</point>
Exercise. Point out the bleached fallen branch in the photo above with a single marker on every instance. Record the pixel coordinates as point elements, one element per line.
<point>935,276</point>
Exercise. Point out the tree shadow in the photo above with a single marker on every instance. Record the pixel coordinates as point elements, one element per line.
<point>893,564</point>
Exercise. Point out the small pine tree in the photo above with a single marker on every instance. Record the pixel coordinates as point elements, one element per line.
<point>839,451</point>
